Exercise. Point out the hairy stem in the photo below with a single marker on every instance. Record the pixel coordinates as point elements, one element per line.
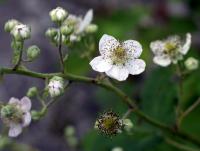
<point>126,99</point>
<point>20,58</point>
<point>60,51</point>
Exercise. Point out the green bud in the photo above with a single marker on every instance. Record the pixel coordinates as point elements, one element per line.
<point>32,92</point>
<point>128,125</point>
<point>191,63</point>
<point>69,131</point>
<point>51,33</point>
<point>36,115</point>
<point>58,15</point>
<point>7,111</point>
<point>92,28</point>
<point>10,24</point>
<point>33,52</point>
<point>66,30</point>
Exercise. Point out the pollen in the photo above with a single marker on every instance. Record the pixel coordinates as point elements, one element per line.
<point>119,56</point>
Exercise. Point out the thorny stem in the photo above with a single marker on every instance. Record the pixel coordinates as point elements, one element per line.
<point>180,91</point>
<point>60,51</point>
<point>189,110</point>
<point>126,99</point>
<point>20,58</point>
<point>179,145</point>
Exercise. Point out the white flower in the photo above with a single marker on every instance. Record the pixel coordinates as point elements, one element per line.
<point>16,115</point>
<point>118,60</point>
<point>58,15</point>
<point>79,24</point>
<point>21,32</point>
<point>117,149</point>
<point>56,86</point>
<point>170,50</point>
<point>191,63</point>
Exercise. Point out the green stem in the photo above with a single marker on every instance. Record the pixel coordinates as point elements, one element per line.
<point>20,58</point>
<point>127,100</point>
<point>60,51</point>
<point>179,145</point>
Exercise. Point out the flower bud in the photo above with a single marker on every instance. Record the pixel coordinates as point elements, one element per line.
<point>21,32</point>
<point>32,92</point>
<point>69,131</point>
<point>117,149</point>
<point>191,63</point>
<point>33,52</point>
<point>66,30</point>
<point>51,32</point>
<point>58,15</point>
<point>92,28</point>
<point>10,24</point>
<point>128,125</point>
<point>56,86</point>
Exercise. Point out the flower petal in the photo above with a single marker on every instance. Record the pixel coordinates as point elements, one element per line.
<point>100,64</point>
<point>25,104</point>
<point>107,44</point>
<point>157,47</point>
<point>14,101</point>
<point>187,44</point>
<point>15,130</point>
<point>26,119</point>
<point>86,21</point>
<point>136,66</point>
<point>119,73</point>
<point>162,60</point>
<point>133,48</point>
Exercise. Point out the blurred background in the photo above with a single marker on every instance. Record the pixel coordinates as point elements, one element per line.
<point>155,89</point>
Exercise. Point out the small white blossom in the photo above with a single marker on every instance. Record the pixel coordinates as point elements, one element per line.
<point>56,86</point>
<point>58,15</point>
<point>191,63</point>
<point>170,50</point>
<point>21,32</point>
<point>117,149</point>
<point>79,24</point>
<point>16,115</point>
<point>118,60</point>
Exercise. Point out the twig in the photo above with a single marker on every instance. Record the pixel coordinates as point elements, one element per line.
<point>179,145</point>
<point>189,110</point>
<point>127,100</point>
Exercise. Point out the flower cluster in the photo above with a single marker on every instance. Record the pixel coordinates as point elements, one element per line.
<point>71,27</point>
<point>16,115</point>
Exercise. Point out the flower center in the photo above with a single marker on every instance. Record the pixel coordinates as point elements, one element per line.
<point>119,56</point>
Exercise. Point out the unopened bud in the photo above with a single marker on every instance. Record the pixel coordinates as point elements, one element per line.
<point>58,15</point>
<point>21,32</point>
<point>32,92</point>
<point>66,30</point>
<point>92,28</point>
<point>56,86</point>
<point>128,125</point>
<point>33,52</point>
<point>191,63</point>
<point>51,33</point>
<point>10,24</point>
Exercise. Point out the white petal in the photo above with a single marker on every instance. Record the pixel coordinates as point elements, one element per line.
<point>133,48</point>
<point>157,47</point>
<point>86,21</point>
<point>25,104</point>
<point>26,119</point>
<point>14,101</point>
<point>136,66</point>
<point>162,60</point>
<point>187,44</point>
<point>119,73</point>
<point>107,44</point>
<point>100,64</point>
<point>15,130</point>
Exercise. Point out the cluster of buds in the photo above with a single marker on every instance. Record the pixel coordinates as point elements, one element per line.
<point>110,124</point>
<point>70,26</point>
<point>16,115</point>
<point>55,86</point>
<point>19,31</point>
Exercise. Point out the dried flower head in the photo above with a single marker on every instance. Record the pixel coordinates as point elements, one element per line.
<point>109,123</point>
